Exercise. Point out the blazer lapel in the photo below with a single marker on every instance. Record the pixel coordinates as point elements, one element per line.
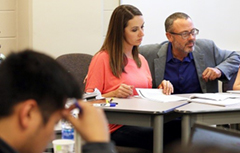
<point>160,63</point>
<point>200,66</point>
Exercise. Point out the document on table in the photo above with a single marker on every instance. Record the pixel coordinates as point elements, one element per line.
<point>219,99</point>
<point>214,96</point>
<point>157,95</point>
<point>224,103</point>
<point>234,91</point>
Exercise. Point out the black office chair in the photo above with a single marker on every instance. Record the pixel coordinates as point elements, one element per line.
<point>77,64</point>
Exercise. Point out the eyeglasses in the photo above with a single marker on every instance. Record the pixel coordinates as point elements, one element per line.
<point>185,34</point>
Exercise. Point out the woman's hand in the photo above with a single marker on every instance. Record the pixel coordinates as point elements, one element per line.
<point>124,91</point>
<point>166,86</point>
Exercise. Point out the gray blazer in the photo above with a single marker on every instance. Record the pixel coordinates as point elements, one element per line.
<point>206,54</point>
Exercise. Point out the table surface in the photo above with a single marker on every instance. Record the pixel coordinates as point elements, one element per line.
<point>205,108</point>
<point>145,106</point>
<point>206,113</point>
<point>142,112</point>
<point>137,105</point>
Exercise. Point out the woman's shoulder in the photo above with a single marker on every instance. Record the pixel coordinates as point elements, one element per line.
<point>142,58</point>
<point>101,55</point>
<point>99,61</point>
<point>143,61</point>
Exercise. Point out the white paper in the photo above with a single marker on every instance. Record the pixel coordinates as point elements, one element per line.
<point>226,102</point>
<point>234,91</point>
<point>157,95</point>
<point>219,99</point>
<point>210,96</point>
<point>215,96</point>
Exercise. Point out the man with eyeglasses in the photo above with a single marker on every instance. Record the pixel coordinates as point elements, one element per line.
<point>191,65</point>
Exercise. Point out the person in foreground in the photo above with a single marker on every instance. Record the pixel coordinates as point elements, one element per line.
<point>191,65</point>
<point>118,68</point>
<point>33,92</point>
<point>236,85</point>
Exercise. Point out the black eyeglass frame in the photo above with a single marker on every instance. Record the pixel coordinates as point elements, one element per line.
<point>185,34</point>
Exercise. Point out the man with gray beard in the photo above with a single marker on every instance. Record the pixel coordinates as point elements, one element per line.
<point>191,65</point>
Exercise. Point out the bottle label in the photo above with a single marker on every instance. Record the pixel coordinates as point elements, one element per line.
<point>68,133</point>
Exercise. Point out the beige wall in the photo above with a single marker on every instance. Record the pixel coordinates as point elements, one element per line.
<point>66,26</point>
<point>216,19</point>
<point>24,17</point>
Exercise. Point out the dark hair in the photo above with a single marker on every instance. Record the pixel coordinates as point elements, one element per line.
<point>169,21</point>
<point>32,75</point>
<point>113,43</point>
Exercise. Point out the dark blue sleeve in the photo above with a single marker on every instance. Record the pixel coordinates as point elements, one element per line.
<point>223,76</point>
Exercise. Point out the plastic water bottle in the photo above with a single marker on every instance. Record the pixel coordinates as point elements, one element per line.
<point>67,127</point>
<point>67,130</point>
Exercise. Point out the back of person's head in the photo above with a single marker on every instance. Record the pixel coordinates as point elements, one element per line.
<point>32,75</point>
<point>169,21</point>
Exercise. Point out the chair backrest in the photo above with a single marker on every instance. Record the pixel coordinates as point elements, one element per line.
<point>202,134</point>
<point>77,64</point>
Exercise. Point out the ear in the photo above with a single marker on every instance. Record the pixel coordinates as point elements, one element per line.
<point>26,112</point>
<point>169,36</point>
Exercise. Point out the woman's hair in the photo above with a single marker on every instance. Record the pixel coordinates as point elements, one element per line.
<point>113,43</point>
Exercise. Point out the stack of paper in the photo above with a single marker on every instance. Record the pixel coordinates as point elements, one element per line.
<point>211,96</point>
<point>219,99</point>
<point>234,91</point>
<point>157,95</point>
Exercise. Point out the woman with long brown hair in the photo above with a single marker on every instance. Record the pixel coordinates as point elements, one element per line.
<point>118,68</point>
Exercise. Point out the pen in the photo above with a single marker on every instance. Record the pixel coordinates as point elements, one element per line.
<point>110,100</point>
<point>114,103</point>
<point>106,105</point>
<point>78,106</point>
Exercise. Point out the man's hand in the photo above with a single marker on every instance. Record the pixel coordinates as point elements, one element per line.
<point>210,74</point>
<point>166,86</point>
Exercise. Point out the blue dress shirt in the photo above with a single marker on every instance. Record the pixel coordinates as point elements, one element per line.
<point>182,74</point>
